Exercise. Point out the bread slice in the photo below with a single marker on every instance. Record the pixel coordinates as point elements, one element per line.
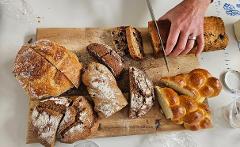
<point>164,103</point>
<point>64,60</point>
<point>107,56</point>
<point>120,40</point>
<point>135,44</point>
<point>141,93</point>
<point>38,77</point>
<point>215,37</point>
<point>128,39</point>
<point>164,27</point>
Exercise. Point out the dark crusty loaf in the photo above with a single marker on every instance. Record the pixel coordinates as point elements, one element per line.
<point>45,118</point>
<point>215,37</point>
<point>64,60</point>
<point>37,76</point>
<point>141,93</point>
<point>103,89</point>
<point>68,119</point>
<point>120,40</point>
<point>135,44</point>
<point>107,56</point>
<point>78,122</point>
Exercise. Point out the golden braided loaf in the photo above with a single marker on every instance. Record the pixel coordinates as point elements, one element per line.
<point>198,83</point>
<point>182,109</point>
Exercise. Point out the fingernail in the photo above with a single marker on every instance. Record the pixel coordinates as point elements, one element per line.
<point>167,52</point>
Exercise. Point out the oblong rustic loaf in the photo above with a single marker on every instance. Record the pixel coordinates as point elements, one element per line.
<point>103,89</point>
<point>107,56</point>
<point>215,37</point>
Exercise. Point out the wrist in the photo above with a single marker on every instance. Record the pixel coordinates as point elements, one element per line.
<point>204,3</point>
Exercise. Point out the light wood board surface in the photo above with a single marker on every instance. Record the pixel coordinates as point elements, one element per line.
<point>119,124</point>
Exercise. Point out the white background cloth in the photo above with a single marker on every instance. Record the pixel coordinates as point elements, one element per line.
<point>20,18</point>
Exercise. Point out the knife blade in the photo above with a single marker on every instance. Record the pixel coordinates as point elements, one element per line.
<point>158,32</point>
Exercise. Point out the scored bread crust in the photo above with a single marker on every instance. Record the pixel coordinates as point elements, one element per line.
<point>64,60</point>
<point>44,119</point>
<point>182,109</point>
<point>103,89</point>
<point>135,44</point>
<point>198,83</point>
<point>215,37</point>
<point>61,115</point>
<point>78,122</point>
<point>37,76</point>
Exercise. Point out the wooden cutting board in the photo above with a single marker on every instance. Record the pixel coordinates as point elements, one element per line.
<point>119,124</point>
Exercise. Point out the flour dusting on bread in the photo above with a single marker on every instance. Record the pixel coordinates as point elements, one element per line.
<point>103,89</point>
<point>46,125</point>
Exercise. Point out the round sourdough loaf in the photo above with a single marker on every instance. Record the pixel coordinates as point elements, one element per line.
<point>45,69</point>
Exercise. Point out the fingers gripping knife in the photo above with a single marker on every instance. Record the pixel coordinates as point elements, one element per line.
<point>158,32</point>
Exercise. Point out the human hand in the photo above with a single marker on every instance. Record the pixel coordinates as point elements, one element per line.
<point>186,23</point>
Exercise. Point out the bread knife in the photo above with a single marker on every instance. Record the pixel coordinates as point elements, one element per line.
<point>158,32</point>
<point>236,26</point>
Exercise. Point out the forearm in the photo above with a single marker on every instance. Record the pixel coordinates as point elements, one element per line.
<point>202,3</point>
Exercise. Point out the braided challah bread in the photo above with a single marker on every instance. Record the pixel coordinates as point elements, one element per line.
<point>182,109</point>
<point>198,83</point>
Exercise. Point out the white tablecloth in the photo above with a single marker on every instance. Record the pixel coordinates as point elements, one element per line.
<point>20,18</point>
